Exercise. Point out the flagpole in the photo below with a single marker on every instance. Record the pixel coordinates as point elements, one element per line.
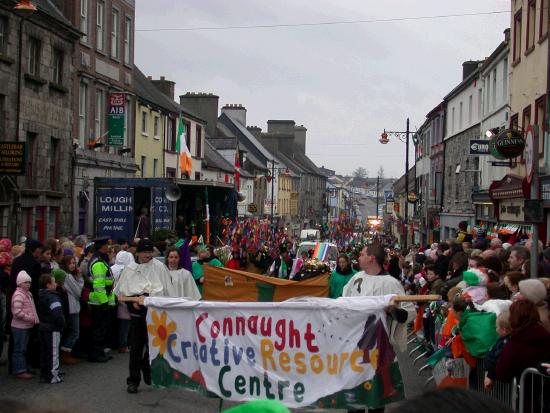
<point>207,237</point>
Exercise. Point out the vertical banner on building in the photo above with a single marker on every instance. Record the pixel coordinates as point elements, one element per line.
<point>116,119</point>
<point>162,210</point>
<point>114,213</point>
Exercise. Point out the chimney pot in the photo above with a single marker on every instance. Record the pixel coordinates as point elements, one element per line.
<point>162,78</point>
<point>150,77</point>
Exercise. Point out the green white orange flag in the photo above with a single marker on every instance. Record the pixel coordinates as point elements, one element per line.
<point>185,160</point>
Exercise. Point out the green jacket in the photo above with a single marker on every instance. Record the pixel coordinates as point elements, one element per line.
<point>102,283</point>
<point>337,282</point>
<point>198,270</point>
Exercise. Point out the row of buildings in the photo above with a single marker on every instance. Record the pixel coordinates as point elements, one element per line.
<point>455,177</point>
<point>103,140</point>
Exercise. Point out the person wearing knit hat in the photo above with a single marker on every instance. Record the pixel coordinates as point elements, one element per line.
<point>59,276</point>
<point>535,291</point>
<point>23,321</point>
<point>259,406</point>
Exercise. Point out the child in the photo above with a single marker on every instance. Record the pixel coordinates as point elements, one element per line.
<point>72,285</point>
<point>52,323</point>
<point>511,281</point>
<point>435,283</point>
<point>504,331</point>
<point>24,319</point>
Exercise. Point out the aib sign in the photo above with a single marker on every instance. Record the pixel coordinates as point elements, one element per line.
<point>116,119</point>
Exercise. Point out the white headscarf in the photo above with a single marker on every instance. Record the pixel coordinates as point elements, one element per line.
<point>123,258</point>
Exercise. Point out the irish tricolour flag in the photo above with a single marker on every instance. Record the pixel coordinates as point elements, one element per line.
<point>186,163</point>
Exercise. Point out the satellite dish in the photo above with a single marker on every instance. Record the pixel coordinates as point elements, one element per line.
<point>172,193</point>
<point>241,197</point>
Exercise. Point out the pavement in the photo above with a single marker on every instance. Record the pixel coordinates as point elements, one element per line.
<point>99,388</point>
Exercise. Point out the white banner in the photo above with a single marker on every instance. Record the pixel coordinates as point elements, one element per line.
<point>295,351</point>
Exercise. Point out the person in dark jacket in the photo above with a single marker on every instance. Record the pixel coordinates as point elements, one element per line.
<point>529,342</point>
<point>491,358</point>
<point>52,323</point>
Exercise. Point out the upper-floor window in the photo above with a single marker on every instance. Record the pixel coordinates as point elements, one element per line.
<point>82,113</point>
<point>54,163</point>
<point>144,123</point>
<point>494,96</point>
<point>516,47</point>
<point>34,56</point>
<point>84,19</point>
<point>156,127</point>
<point>470,104</point>
<point>32,138</point>
<point>505,80</point>
<point>531,25</point>
<point>127,40</point>
<point>99,112</point>
<point>453,120</point>
<point>57,64</point>
<point>3,35</point>
<point>100,25</point>
<point>543,27</point>
<point>115,30</point>
<point>198,136</point>
<point>460,117</point>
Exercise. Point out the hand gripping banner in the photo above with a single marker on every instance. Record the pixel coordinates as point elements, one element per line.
<point>307,352</point>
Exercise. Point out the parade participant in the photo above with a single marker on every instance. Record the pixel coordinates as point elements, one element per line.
<point>146,277</point>
<point>282,265</point>
<point>205,257</point>
<point>24,319</point>
<point>374,281</point>
<point>182,282</point>
<point>235,262</point>
<point>123,258</point>
<point>262,260</point>
<point>100,295</point>
<point>299,263</point>
<point>52,323</point>
<point>340,276</point>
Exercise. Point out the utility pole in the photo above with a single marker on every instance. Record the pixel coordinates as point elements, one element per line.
<point>377,195</point>
<point>272,193</point>
<point>406,185</point>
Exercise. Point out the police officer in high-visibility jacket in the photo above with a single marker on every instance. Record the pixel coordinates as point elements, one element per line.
<point>100,296</point>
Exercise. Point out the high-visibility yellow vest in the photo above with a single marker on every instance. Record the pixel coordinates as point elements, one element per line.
<point>102,278</point>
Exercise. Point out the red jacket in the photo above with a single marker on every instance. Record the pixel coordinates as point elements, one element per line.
<point>526,348</point>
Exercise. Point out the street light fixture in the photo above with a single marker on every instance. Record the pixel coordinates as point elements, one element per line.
<point>24,8</point>
<point>403,137</point>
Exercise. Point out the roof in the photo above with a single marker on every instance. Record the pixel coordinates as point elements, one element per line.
<point>223,143</point>
<point>48,7</point>
<point>462,85</point>
<point>214,160</point>
<point>147,91</point>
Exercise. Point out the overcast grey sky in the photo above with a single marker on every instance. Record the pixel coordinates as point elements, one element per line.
<point>345,83</point>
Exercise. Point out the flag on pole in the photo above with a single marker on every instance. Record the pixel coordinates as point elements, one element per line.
<point>185,161</point>
<point>237,170</point>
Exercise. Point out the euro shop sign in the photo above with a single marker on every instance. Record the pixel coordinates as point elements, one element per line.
<point>510,143</point>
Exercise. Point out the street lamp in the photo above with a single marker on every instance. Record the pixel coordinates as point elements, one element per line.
<point>24,8</point>
<point>403,137</point>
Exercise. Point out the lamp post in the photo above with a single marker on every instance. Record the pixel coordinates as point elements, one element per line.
<point>403,137</point>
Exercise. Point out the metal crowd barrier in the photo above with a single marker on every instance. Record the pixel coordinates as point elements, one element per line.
<point>534,392</point>
<point>504,392</point>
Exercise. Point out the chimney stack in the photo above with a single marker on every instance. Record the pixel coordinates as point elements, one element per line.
<point>469,67</point>
<point>236,112</point>
<point>255,130</point>
<point>205,106</point>
<point>165,86</point>
<point>300,138</point>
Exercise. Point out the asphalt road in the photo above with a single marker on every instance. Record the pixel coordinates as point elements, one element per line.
<point>100,388</point>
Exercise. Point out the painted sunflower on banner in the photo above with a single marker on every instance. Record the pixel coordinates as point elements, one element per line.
<point>160,331</point>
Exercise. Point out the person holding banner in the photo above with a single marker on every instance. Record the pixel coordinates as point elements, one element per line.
<point>372,280</point>
<point>182,282</point>
<point>146,277</point>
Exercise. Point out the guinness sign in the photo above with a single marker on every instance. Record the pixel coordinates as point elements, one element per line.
<point>510,143</point>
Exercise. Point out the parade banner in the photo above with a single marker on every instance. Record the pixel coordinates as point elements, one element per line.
<point>310,352</point>
<point>224,284</point>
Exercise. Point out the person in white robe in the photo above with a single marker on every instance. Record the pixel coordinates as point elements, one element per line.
<point>182,281</point>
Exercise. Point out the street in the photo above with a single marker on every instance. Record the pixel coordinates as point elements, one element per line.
<point>95,388</point>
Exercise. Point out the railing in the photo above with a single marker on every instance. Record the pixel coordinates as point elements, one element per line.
<point>534,392</point>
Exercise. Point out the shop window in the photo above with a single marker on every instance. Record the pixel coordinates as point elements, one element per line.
<point>517,28</point>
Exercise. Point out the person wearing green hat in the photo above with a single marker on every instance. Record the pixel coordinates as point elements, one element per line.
<point>259,406</point>
<point>205,257</point>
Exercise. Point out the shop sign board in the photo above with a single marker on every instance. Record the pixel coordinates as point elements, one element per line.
<point>512,210</point>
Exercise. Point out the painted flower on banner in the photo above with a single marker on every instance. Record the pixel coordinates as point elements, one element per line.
<point>160,331</point>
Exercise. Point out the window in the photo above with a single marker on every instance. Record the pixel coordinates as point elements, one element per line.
<point>54,162</point>
<point>540,119</point>
<point>142,166</point>
<point>188,135</point>
<point>155,166</point>
<point>170,172</point>
<point>543,27</point>
<point>531,17</point>
<point>453,121</point>
<point>128,120</point>
<point>494,89</point>
<point>114,33</point>
<point>99,112</point>
<point>514,122</point>
<point>171,135</point>
<point>3,35</point>
<point>82,113</point>
<point>144,123</point>
<point>526,119</point>
<point>84,19</point>
<point>156,127</point>
<point>58,66</point>
<point>31,147</point>
<point>470,104</point>
<point>34,57</point>
<point>127,40</point>
<point>100,25</point>
<point>479,102</point>
<point>505,80</point>
<point>516,48</point>
<point>198,136</point>
<point>488,93</point>
<point>460,117</point>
